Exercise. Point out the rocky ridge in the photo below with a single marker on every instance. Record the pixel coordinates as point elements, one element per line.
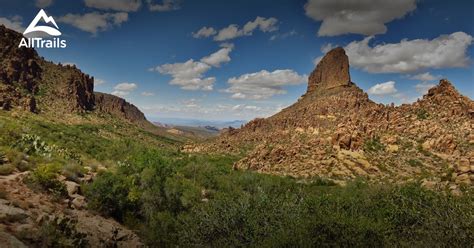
<point>335,131</point>
<point>28,82</point>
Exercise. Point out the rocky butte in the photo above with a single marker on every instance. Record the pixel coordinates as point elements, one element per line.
<point>335,131</point>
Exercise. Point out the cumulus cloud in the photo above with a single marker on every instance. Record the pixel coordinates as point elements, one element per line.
<point>117,5</point>
<point>14,23</point>
<point>263,84</point>
<point>233,31</point>
<point>166,5</point>
<point>221,56</point>
<point>366,17</point>
<point>95,22</point>
<point>43,3</point>
<point>205,32</point>
<point>409,56</point>
<point>123,89</point>
<point>188,75</point>
<point>387,88</point>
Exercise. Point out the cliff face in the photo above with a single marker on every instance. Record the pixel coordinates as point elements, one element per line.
<point>20,73</point>
<point>118,107</point>
<point>30,83</point>
<point>331,72</point>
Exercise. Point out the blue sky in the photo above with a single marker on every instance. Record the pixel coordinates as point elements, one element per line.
<point>253,57</point>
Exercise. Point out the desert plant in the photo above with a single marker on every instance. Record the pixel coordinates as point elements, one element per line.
<point>373,145</point>
<point>45,176</point>
<point>6,169</point>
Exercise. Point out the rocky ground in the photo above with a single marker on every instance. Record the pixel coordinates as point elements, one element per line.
<point>30,218</point>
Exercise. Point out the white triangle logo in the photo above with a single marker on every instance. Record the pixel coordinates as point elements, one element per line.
<point>48,19</point>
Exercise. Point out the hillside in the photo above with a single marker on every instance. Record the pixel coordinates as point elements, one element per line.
<point>56,134</point>
<point>335,131</point>
<point>80,168</point>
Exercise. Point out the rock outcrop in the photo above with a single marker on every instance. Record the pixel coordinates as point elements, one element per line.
<point>331,72</point>
<point>335,131</point>
<point>118,107</point>
<point>20,73</point>
<point>30,83</point>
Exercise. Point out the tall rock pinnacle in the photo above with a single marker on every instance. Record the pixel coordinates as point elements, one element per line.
<point>331,72</point>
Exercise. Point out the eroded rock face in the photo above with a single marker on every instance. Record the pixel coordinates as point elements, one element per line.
<point>30,83</point>
<point>331,72</point>
<point>116,106</point>
<point>20,73</point>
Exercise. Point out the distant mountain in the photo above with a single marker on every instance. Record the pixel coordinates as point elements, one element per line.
<point>335,131</point>
<point>200,123</point>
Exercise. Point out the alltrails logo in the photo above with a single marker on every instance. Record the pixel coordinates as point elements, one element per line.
<point>38,42</point>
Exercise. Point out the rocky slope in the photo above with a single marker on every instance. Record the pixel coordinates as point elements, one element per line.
<point>28,82</point>
<point>118,107</point>
<point>335,131</point>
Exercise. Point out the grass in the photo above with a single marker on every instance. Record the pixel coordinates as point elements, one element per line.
<point>179,200</point>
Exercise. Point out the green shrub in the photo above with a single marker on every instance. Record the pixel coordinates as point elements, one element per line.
<point>415,163</point>
<point>422,114</point>
<point>61,232</point>
<point>6,169</point>
<point>73,171</point>
<point>45,176</point>
<point>373,145</point>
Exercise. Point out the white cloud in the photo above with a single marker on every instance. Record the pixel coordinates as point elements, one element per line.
<point>263,84</point>
<point>327,47</point>
<point>367,17</point>
<point>205,32</point>
<point>408,56</point>
<point>123,89</point>
<point>188,75</point>
<point>317,60</point>
<point>283,35</point>
<point>98,81</point>
<point>233,31</point>
<point>387,88</point>
<point>43,3</point>
<point>221,56</point>
<point>425,77</point>
<point>14,23</point>
<point>95,22</point>
<point>167,5</point>
<point>146,93</point>
<point>423,87</point>
<point>117,5</point>
<point>125,86</point>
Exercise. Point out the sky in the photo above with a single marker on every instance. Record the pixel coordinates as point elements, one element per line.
<point>238,60</point>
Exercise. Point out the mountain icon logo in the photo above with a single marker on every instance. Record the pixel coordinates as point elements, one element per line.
<point>47,19</point>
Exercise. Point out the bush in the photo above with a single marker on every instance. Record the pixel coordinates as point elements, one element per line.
<point>73,171</point>
<point>6,169</point>
<point>422,114</point>
<point>373,145</point>
<point>45,176</point>
<point>61,232</point>
<point>109,194</point>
